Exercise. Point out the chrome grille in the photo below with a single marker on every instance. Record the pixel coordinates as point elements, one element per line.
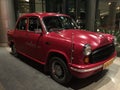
<point>102,53</point>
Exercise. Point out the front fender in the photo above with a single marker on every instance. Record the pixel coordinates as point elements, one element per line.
<point>57,52</point>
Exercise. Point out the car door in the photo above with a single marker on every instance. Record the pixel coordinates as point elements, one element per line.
<point>20,34</point>
<point>34,42</point>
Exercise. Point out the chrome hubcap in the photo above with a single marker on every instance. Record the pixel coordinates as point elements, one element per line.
<point>57,70</point>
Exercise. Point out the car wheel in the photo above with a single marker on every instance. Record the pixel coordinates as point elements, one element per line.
<point>59,71</point>
<point>13,49</point>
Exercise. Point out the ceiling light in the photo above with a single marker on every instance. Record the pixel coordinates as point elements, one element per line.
<point>109,3</point>
<point>118,8</point>
<point>27,0</point>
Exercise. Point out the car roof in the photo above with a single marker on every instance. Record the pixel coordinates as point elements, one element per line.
<point>41,15</point>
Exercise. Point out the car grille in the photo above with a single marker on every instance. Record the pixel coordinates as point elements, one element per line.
<point>102,53</point>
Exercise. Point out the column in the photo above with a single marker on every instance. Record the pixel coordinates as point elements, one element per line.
<point>90,14</point>
<point>7,19</point>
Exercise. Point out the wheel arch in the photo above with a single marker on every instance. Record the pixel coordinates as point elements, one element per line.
<point>59,54</point>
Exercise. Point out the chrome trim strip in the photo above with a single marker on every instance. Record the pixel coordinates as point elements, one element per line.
<point>86,70</point>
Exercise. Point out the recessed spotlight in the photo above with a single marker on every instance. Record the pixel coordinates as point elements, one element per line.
<point>109,3</point>
<point>27,0</point>
<point>118,8</point>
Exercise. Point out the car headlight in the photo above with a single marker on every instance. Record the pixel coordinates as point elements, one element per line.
<point>87,49</point>
<point>115,40</point>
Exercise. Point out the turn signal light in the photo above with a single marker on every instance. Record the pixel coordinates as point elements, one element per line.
<point>86,60</point>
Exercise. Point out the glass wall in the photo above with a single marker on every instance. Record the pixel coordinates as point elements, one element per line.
<point>81,13</point>
<point>108,16</point>
<point>71,8</point>
<point>28,6</point>
<point>55,6</point>
<point>40,6</point>
<point>75,8</point>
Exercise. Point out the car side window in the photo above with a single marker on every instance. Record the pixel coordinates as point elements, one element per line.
<point>52,22</point>
<point>34,24</point>
<point>22,24</point>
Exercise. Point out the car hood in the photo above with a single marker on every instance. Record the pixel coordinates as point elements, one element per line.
<point>82,37</point>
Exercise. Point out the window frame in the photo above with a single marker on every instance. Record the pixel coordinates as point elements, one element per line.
<point>37,23</point>
<point>19,22</point>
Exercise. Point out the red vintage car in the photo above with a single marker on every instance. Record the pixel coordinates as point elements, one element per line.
<point>55,41</point>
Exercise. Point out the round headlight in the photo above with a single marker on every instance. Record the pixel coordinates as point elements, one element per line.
<point>87,49</point>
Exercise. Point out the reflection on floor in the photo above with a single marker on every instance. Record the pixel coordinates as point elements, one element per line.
<point>108,79</point>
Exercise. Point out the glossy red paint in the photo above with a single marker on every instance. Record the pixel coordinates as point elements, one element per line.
<point>68,43</point>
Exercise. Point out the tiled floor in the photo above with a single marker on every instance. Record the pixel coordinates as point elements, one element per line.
<point>15,74</point>
<point>110,79</point>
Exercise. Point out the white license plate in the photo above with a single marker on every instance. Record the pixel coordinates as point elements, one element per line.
<point>108,63</point>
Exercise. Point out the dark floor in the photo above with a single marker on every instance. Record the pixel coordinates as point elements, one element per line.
<point>24,74</point>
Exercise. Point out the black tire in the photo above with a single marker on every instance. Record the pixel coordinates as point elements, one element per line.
<point>13,50</point>
<point>59,71</point>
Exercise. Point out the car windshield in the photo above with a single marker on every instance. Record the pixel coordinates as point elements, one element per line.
<point>55,23</point>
